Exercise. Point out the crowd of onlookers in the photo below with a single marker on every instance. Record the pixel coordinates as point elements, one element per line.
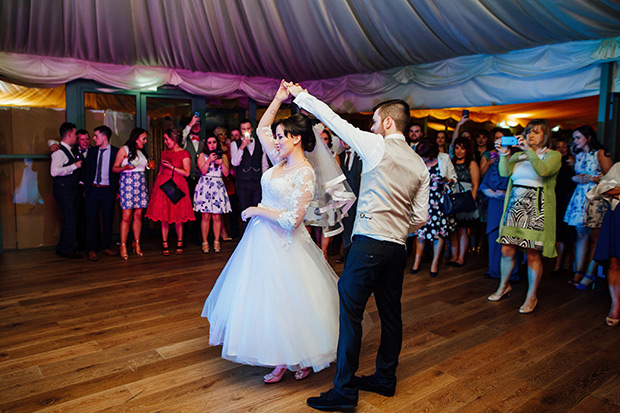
<point>516,198</point>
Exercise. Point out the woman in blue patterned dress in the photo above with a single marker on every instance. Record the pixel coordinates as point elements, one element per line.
<point>439,224</point>
<point>131,162</point>
<point>210,197</point>
<point>591,162</point>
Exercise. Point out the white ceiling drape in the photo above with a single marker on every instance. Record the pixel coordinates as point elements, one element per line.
<point>351,53</point>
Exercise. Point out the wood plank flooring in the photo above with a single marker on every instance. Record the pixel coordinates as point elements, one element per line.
<point>120,336</point>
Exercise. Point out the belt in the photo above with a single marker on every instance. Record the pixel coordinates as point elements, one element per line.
<point>100,186</point>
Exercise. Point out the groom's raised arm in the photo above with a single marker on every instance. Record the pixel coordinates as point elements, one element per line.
<point>366,144</point>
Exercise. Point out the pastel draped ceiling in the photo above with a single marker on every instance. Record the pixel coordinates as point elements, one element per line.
<point>352,53</point>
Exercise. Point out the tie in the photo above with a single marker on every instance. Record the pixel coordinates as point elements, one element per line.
<point>347,155</point>
<point>195,138</point>
<point>99,162</point>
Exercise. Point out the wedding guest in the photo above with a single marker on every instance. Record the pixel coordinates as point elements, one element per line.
<point>528,221</point>
<point>193,142</point>
<point>565,235</point>
<point>608,246</point>
<point>100,189</point>
<point>131,162</point>
<point>441,138</point>
<point>211,198</point>
<point>175,164</point>
<point>414,134</point>
<point>591,162</point>
<point>439,224</point>
<point>64,169</point>
<point>351,165</point>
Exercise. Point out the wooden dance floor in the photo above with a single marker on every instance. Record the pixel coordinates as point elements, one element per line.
<point>128,336</point>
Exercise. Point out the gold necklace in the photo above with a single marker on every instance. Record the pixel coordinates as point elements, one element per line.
<point>290,167</point>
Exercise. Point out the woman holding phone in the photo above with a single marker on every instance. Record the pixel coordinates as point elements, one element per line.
<point>528,220</point>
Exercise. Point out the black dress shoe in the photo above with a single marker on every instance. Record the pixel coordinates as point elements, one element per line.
<point>371,383</point>
<point>331,400</point>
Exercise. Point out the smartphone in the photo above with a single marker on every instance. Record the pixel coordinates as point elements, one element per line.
<point>465,113</point>
<point>197,114</point>
<point>509,141</point>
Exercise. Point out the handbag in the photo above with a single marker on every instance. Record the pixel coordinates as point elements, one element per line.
<point>172,190</point>
<point>462,201</point>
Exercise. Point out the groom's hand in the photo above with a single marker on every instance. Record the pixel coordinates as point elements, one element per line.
<point>294,89</point>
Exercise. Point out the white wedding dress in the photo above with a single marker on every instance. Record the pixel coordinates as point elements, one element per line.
<point>276,300</point>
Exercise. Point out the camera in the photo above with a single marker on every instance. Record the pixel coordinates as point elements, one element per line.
<point>217,152</point>
<point>509,141</point>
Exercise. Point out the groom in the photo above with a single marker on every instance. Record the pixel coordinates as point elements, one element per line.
<point>393,201</point>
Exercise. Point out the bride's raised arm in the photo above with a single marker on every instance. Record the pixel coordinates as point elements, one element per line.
<point>264,126</point>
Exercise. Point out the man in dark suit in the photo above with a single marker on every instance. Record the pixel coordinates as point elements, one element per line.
<point>100,189</point>
<point>194,144</point>
<point>351,165</point>
<point>248,157</point>
<point>64,169</point>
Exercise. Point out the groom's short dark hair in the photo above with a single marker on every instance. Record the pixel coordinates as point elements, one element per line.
<point>397,109</point>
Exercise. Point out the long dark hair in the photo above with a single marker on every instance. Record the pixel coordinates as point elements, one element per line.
<point>218,144</point>
<point>131,144</point>
<point>590,135</point>
<point>466,144</point>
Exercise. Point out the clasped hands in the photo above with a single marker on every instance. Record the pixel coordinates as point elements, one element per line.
<point>288,88</point>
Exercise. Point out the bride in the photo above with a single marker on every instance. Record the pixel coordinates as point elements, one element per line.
<point>275,304</point>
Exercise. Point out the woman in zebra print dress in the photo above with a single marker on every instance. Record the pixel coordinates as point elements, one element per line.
<point>528,222</point>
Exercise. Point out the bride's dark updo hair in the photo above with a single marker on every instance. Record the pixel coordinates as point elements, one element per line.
<point>298,125</point>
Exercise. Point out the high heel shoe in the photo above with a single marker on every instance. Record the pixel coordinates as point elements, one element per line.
<point>576,278</point>
<point>205,247</point>
<point>274,378</point>
<point>216,247</point>
<point>303,373</point>
<point>590,282</point>
<point>612,322</point>
<point>179,250</point>
<point>414,270</point>
<point>434,273</point>
<point>135,245</point>
<point>164,248</point>
<point>496,297</point>
<point>526,309</point>
<point>123,251</point>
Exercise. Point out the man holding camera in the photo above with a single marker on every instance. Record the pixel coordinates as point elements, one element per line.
<point>194,144</point>
<point>248,157</point>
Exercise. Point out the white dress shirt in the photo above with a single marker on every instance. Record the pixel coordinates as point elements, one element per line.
<point>236,155</point>
<point>58,160</point>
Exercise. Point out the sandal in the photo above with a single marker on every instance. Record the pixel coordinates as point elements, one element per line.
<point>165,249</point>
<point>303,373</point>
<point>576,278</point>
<point>216,246</point>
<point>179,250</point>
<point>588,281</point>
<point>205,247</point>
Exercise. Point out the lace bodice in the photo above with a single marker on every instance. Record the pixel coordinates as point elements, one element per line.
<point>290,193</point>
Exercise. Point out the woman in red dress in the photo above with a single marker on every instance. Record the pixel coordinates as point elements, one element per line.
<point>175,163</point>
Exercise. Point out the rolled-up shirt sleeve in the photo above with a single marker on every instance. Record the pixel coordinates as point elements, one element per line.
<point>419,203</point>
<point>235,155</point>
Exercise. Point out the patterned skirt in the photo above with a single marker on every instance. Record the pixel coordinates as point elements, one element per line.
<point>133,192</point>
<point>526,210</point>
<point>210,196</point>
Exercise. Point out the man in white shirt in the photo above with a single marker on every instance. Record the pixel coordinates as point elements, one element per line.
<point>250,160</point>
<point>63,168</point>
<point>393,201</point>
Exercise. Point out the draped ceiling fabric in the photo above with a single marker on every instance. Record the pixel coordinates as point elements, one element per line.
<point>351,53</point>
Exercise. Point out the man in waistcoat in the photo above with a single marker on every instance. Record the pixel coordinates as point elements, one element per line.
<point>64,169</point>
<point>248,157</point>
<point>194,143</point>
<point>393,201</point>
<point>100,189</point>
<point>351,165</point>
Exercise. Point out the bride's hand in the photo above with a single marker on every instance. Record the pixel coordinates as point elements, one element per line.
<point>282,93</point>
<point>294,89</point>
<point>249,213</point>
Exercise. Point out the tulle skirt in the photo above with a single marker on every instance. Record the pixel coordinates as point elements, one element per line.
<point>276,301</point>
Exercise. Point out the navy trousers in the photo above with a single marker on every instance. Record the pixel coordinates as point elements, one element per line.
<point>99,204</point>
<point>377,267</point>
